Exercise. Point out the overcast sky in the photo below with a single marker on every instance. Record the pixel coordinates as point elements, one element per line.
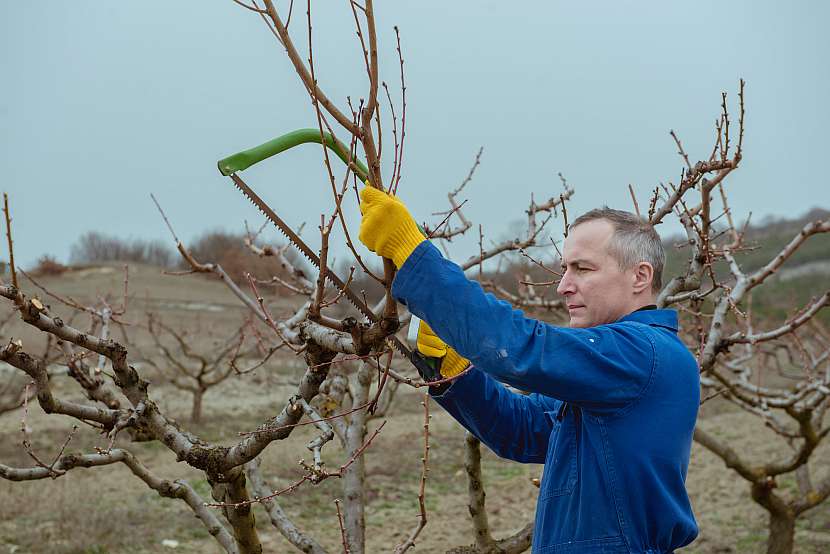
<point>103,103</point>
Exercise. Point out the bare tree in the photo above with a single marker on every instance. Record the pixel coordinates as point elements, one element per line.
<point>734,355</point>
<point>97,247</point>
<point>194,369</point>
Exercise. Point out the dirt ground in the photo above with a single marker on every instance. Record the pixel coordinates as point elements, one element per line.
<point>108,510</point>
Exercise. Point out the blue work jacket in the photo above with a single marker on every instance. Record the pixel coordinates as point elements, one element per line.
<point>611,412</point>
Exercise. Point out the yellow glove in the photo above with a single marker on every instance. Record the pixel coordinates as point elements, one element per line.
<point>387,228</point>
<point>430,345</point>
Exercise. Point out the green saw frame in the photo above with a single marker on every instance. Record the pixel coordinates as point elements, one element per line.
<point>245,159</point>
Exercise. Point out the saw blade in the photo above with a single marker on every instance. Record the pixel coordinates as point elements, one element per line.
<point>295,239</point>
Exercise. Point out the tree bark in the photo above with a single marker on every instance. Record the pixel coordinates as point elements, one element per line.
<point>781,517</point>
<point>476,494</point>
<point>781,533</point>
<point>354,478</point>
<point>485,544</point>
<point>241,517</point>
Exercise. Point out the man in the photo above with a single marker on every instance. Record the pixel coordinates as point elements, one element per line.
<point>614,396</point>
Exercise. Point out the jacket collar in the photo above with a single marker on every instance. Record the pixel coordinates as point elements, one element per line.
<point>659,318</point>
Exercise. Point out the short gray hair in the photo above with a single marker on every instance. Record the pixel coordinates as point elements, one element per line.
<point>634,241</point>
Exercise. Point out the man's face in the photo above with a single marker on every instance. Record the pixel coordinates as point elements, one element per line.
<point>596,290</point>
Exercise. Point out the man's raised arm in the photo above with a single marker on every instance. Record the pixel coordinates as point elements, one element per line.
<point>602,368</point>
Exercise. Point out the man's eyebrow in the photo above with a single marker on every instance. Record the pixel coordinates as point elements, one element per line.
<point>576,262</point>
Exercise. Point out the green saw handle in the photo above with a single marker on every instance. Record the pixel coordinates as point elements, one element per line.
<point>247,158</point>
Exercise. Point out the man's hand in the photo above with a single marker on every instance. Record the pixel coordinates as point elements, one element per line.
<point>387,228</point>
<point>430,345</point>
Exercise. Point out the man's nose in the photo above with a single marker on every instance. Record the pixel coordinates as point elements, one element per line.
<point>565,286</point>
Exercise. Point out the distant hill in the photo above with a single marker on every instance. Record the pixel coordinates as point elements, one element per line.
<point>804,275</point>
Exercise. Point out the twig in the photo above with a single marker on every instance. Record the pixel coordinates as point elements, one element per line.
<point>301,423</point>
<point>314,310</point>
<point>382,377</point>
<point>340,292</point>
<point>268,319</point>
<point>514,244</point>
<point>634,198</point>
<point>312,476</point>
<point>9,237</point>
<point>524,253</point>
<point>448,234</point>
<point>342,529</point>
<point>279,518</point>
<point>394,131</point>
<point>339,200</point>
<point>436,383</point>
<point>680,150</point>
<point>790,326</point>
<point>366,136</point>
<point>472,171</point>
<point>403,112</point>
<point>320,289</point>
<point>290,11</point>
<point>725,116</point>
<point>27,445</point>
<point>71,302</point>
<point>256,366</point>
<point>303,72</point>
<point>164,216</point>
<point>713,395</point>
<point>316,445</point>
<point>422,518</point>
<point>739,150</point>
<point>480,252</point>
<point>247,7</point>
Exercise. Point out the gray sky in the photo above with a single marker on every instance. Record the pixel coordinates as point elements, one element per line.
<point>103,103</point>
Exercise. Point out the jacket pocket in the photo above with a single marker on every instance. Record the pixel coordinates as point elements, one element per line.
<point>561,470</point>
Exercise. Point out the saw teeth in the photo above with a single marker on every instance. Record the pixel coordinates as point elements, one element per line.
<point>363,309</point>
<point>366,312</point>
<point>297,247</point>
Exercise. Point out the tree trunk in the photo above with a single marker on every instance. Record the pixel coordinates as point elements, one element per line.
<point>196,409</point>
<point>354,478</point>
<point>476,495</point>
<point>238,512</point>
<point>781,533</point>
<point>781,517</point>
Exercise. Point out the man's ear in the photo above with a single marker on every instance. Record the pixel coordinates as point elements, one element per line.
<point>643,276</point>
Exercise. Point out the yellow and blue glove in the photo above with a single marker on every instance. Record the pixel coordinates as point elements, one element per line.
<point>387,228</point>
<point>431,346</point>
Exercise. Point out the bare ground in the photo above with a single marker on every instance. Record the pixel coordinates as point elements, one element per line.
<point>107,510</point>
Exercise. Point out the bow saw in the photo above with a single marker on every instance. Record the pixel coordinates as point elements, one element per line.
<point>232,165</point>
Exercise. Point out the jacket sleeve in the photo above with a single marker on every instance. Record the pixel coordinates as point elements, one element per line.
<point>603,368</point>
<point>512,425</point>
